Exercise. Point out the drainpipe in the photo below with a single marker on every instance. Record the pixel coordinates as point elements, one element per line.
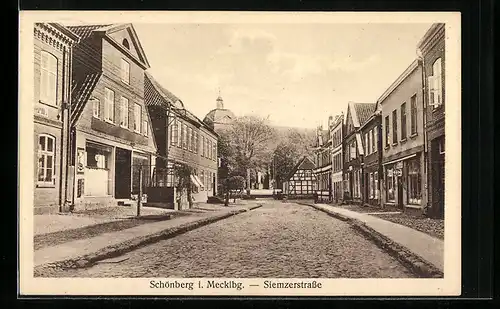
<point>424,125</point>
<point>63,132</point>
<point>69,149</point>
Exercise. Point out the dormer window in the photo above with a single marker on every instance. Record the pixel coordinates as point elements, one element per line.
<point>125,43</point>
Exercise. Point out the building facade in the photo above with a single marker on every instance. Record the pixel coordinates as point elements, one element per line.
<point>111,130</point>
<point>323,162</point>
<point>432,49</point>
<point>357,114</point>
<point>370,133</point>
<point>402,109</point>
<point>337,154</point>
<point>182,138</point>
<point>52,72</point>
<point>301,182</point>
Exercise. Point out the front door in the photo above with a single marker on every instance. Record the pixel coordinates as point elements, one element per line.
<point>123,174</point>
<point>400,191</point>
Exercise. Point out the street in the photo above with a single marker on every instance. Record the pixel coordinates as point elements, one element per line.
<point>279,240</point>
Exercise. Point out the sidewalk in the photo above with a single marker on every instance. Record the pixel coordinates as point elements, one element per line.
<point>81,248</point>
<point>426,247</point>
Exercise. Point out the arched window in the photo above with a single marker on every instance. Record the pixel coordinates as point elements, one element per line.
<point>436,84</point>
<point>48,78</point>
<point>46,156</point>
<point>125,43</point>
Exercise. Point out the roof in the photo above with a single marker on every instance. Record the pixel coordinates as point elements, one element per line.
<point>430,32</point>
<point>361,112</point>
<point>162,91</point>
<point>219,115</point>
<point>86,31</point>
<point>304,164</point>
<point>82,88</point>
<point>412,67</point>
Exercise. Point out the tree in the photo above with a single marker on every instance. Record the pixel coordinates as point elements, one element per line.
<point>247,146</point>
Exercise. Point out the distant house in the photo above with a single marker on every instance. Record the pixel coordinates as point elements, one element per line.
<point>323,162</point>
<point>336,135</point>
<point>301,182</point>
<point>371,131</point>
<point>357,115</point>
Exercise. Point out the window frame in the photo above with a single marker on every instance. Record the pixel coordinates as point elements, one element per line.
<point>394,126</point>
<point>387,131</point>
<point>45,154</point>
<point>96,103</point>
<point>124,112</point>
<point>49,73</point>
<point>403,113</point>
<point>413,115</point>
<point>109,105</point>
<point>145,126</point>
<point>137,117</point>
<point>125,64</point>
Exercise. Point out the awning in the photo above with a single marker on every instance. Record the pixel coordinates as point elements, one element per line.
<point>400,159</point>
<point>194,181</point>
<point>198,180</point>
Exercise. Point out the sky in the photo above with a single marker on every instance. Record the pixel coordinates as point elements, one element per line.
<point>297,74</point>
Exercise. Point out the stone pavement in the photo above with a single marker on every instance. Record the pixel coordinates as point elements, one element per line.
<point>76,248</point>
<point>427,247</point>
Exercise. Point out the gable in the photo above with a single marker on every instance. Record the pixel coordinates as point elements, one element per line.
<point>349,123</point>
<point>125,34</point>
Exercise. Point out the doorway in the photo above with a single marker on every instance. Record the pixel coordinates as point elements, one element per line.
<point>400,192</point>
<point>123,174</point>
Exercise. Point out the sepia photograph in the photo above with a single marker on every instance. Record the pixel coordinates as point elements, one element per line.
<point>239,153</point>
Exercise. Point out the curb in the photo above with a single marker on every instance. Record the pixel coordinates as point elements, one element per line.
<point>132,244</point>
<point>410,260</point>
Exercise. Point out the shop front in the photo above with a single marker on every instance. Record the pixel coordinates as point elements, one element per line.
<point>403,182</point>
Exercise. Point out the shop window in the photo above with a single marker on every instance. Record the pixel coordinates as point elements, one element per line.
<point>46,159</point>
<point>390,185</point>
<point>414,182</point>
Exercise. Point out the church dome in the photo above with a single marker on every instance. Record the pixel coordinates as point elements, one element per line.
<point>219,115</point>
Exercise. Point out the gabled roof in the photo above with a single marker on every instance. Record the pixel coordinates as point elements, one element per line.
<point>150,84</point>
<point>361,112</point>
<point>86,31</point>
<point>304,164</point>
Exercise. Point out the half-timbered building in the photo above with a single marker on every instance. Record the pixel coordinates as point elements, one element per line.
<point>301,182</point>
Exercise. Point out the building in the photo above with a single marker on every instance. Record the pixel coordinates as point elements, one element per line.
<point>336,135</point>
<point>357,114</point>
<point>52,71</point>
<point>220,117</point>
<point>403,141</point>
<point>370,133</point>
<point>323,162</point>
<point>182,138</point>
<point>110,126</point>
<point>432,50</point>
<point>301,182</point>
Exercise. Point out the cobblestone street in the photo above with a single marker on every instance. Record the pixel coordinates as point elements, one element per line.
<point>276,240</point>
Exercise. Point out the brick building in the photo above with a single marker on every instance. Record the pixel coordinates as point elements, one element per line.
<point>182,138</point>
<point>111,129</point>
<point>357,114</point>
<point>432,50</point>
<point>370,133</point>
<point>336,135</point>
<point>404,181</point>
<point>52,72</point>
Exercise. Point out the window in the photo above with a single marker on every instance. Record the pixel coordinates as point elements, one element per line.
<point>375,139</point>
<point>124,112</point>
<point>109,104</point>
<point>202,178</point>
<point>386,131</point>
<point>125,71</point>
<point>184,136</point>
<point>125,43</point>
<point>207,148</point>
<point>390,185</point>
<point>366,144</point>
<point>353,150</point>
<point>413,115</point>
<point>371,186</point>
<point>202,145</point>
<point>375,176</point>
<point>394,126</point>
<point>403,121</point>
<point>145,127</point>
<point>189,144</point>
<point>414,182</point>
<point>215,151</point>
<point>95,108</point>
<point>196,142</point>
<point>372,140</point>
<point>137,117</point>
<point>174,134</point>
<point>48,78</point>
<point>179,134</point>
<point>435,84</point>
<point>46,158</point>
